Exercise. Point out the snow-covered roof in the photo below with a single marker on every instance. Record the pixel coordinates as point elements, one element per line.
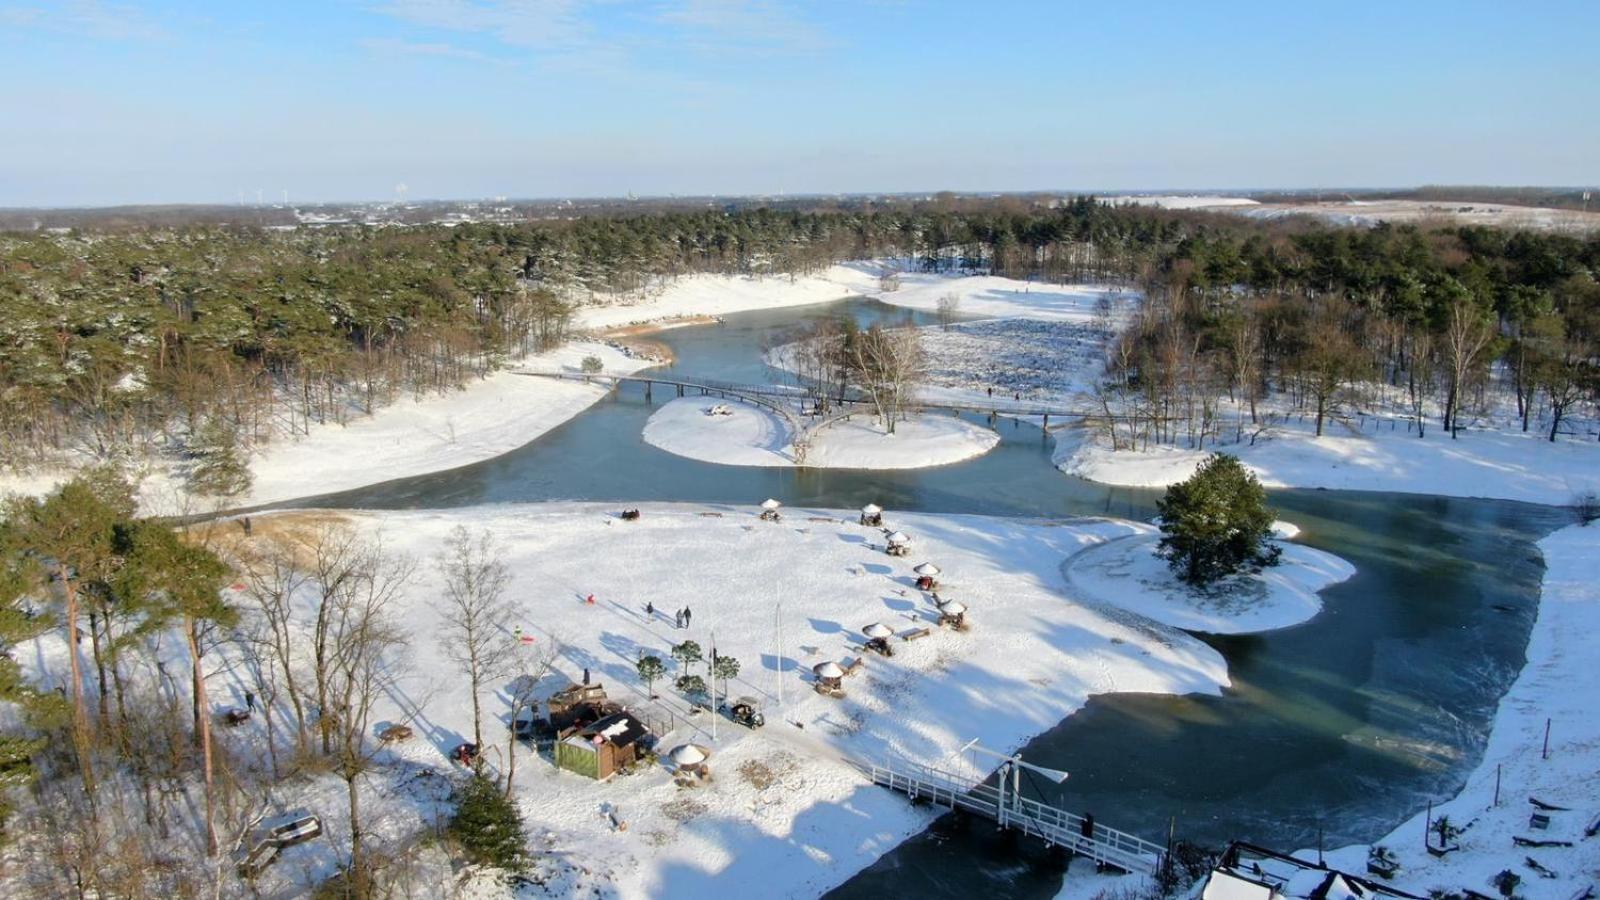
<point>899,537</point>
<point>689,755</point>
<point>770,503</point>
<point>877,630</point>
<point>828,669</point>
<point>953,607</point>
<point>872,509</point>
<point>928,569</point>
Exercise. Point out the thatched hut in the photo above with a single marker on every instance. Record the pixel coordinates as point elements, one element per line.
<point>598,750</point>
<point>769,510</point>
<point>878,635</point>
<point>953,613</point>
<point>830,678</point>
<point>927,575</point>
<point>899,544</point>
<point>690,759</point>
<point>872,515</point>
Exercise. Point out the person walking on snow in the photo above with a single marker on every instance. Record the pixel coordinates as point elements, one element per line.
<point>250,701</point>
<point>686,615</point>
<point>649,610</point>
<point>585,674</point>
<point>589,599</point>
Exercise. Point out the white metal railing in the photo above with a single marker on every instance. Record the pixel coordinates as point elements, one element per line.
<point>1052,824</point>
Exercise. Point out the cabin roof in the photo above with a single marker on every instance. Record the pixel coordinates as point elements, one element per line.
<point>620,729</point>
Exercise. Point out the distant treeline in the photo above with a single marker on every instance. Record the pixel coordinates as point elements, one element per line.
<point>149,336</point>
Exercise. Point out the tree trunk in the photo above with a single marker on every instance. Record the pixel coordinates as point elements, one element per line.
<point>358,867</point>
<point>203,723</point>
<point>80,712</point>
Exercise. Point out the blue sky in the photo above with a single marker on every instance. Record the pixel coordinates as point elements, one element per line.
<point>117,102</point>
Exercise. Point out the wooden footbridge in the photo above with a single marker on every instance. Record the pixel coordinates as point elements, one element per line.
<point>773,396</point>
<point>1007,807</point>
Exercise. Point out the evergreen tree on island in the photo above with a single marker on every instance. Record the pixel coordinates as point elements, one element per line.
<point>1217,523</point>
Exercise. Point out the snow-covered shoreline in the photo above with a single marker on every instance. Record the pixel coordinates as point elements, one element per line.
<point>782,807</point>
<point>1490,464</point>
<point>1557,685</point>
<point>1277,597</point>
<point>738,434</point>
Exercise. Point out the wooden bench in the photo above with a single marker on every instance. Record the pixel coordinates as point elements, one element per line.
<point>918,633</point>
<point>851,668</point>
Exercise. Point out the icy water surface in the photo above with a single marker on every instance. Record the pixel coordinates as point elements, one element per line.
<point>1343,726</point>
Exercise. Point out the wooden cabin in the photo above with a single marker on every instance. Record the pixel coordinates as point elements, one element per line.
<point>601,748</point>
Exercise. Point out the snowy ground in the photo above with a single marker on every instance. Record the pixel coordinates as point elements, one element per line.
<point>1030,359</point>
<point>747,435</point>
<point>1371,212</point>
<point>1559,686</point>
<point>1185,201</point>
<point>1502,464</point>
<point>1277,597</point>
<point>484,420</point>
<point>975,295</point>
<point>409,437</point>
<point>781,807</point>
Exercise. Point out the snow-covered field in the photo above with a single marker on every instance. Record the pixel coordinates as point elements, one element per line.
<point>745,435</point>
<point>1022,358</point>
<point>782,810</point>
<point>1558,686</point>
<point>975,295</point>
<point>1371,212</point>
<point>1501,464</point>
<point>1185,201</point>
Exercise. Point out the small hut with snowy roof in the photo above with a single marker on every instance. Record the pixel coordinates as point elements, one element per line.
<point>830,678</point>
<point>872,515</point>
<point>878,635</point>
<point>953,613</point>
<point>600,749</point>
<point>769,510</point>
<point>926,575</point>
<point>690,759</point>
<point>899,543</point>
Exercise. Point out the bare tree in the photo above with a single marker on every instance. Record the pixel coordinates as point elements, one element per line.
<point>477,618</point>
<point>531,665</point>
<point>948,308</point>
<point>364,666</point>
<point>887,363</point>
<point>1468,332</point>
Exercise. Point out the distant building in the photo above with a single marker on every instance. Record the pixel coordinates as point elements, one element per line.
<point>1248,872</point>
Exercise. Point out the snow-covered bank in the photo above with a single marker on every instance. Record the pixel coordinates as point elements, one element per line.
<point>782,810</point>
<point>1558,685</point>
<point>409,437</point>
<point>1504,465</point>
<point>1127,573</point>
<point>739,434</point>
<point>975,295</point>
<point>481,421</point>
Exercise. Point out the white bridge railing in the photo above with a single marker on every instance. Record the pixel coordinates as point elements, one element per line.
<point>1055,826</point>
